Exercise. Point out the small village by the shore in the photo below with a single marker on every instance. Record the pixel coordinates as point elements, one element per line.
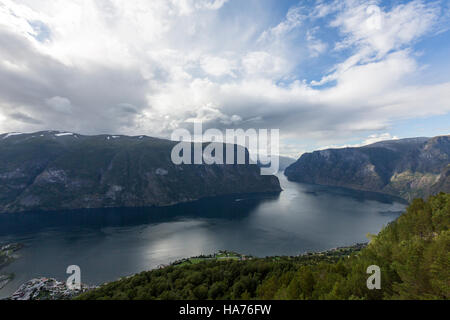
<point>47,289</point>
<point>52,289</point>
<point>220,255</point>
<point>35,289</point>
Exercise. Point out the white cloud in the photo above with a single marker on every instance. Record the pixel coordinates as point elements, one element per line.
<point>370,28</point>
<point>373,138</point>
<point>375,33</point>
<point>148,67</point>
<point>263,64</point>
<point>217,66</point>
<point>316,46</point>
<point>293,20</point>
<point>211,5</point>
<point>60,104</point>
<point>379,137</point>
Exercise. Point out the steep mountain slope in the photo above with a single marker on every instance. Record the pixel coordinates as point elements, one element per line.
<point>408,168</point>
<point>284,162</point>
<point>56,171</point>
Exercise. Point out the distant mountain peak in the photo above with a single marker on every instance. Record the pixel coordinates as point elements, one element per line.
<point>412,167</point>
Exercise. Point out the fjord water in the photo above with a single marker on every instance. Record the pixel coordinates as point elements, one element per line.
<point>111,243</point>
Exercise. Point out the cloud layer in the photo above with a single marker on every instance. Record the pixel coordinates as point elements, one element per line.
<point>322,73</point>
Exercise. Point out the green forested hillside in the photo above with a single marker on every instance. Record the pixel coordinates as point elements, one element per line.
<point>412,252</point>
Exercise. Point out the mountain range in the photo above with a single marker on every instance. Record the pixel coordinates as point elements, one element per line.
<point>407,168</point>
<point>54,170</point>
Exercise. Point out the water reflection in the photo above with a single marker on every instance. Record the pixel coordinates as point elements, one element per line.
<point>227,208</point>
<point>111,243</point>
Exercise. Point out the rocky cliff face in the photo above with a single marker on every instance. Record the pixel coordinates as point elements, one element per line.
<point>60,171</point>
<point>407,168</point>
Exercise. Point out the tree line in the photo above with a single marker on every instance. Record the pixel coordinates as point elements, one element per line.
<point>413,254</point>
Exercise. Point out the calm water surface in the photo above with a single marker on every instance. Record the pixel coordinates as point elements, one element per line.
<point>111,243</point>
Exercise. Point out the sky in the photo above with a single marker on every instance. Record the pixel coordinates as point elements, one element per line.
<point>325,73</point>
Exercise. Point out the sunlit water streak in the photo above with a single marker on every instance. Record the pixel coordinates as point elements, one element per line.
<point>111,243</point>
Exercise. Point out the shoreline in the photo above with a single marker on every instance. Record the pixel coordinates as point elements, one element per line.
<point>51,289</point>
<point>7,256</point>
